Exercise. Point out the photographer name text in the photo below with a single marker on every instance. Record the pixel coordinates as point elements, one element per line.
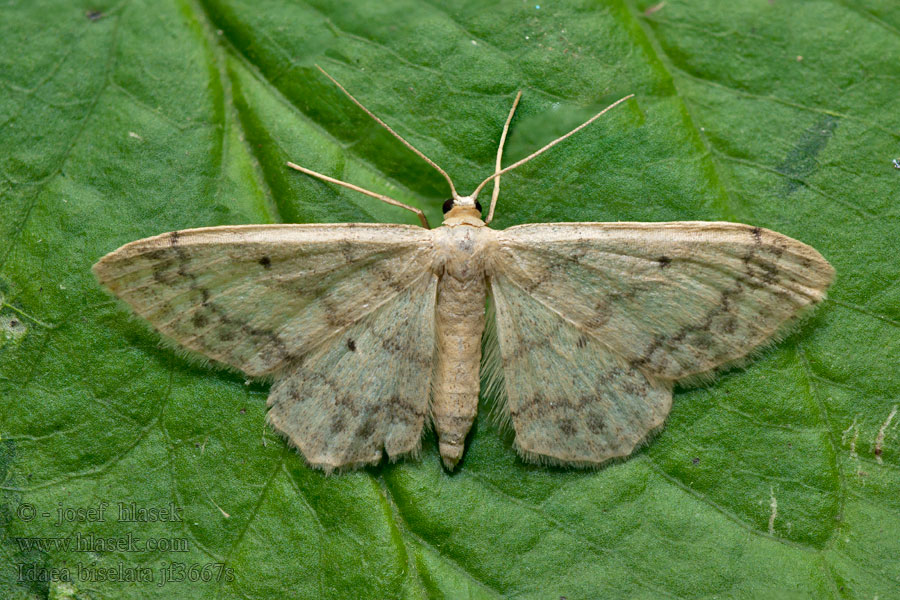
<point>122,512</point>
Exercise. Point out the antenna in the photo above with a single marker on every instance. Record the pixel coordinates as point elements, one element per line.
<point>392,132</point>
<point>548,146</point>
<point>356,188</point>
<point>495,193</point>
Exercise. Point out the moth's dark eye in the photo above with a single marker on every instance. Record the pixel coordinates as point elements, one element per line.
<point>478,205</point>
<point>448,204</point>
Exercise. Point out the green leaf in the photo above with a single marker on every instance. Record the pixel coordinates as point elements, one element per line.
<point>124,120</point>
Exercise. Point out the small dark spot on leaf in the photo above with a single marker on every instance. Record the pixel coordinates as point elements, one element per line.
<point>199,320</point>
<point>265,261</point>
<point>243,411</point>
<point>94,15</point>
<point>800,163</point>
<point>877,451</point>
<point>351,345</point>
<point>696,460</point>
<point>664,261</point>
<point>13,323</point>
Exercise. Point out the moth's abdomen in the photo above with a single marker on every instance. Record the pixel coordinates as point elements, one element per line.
<point>459,325</point>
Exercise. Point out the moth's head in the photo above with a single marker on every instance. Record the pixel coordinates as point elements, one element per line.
<point>462,210</point>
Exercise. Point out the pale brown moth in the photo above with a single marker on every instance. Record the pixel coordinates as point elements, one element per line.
<point>371,331</point>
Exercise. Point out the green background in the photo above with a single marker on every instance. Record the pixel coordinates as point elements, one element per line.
<point>124,120</point>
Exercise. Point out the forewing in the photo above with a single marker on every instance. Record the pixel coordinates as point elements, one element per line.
<point>571,401</point>
<point>671,299</point>
<point>365,390</point>
<point>259,297</point>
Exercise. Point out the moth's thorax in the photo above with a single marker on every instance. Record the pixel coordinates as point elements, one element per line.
<point>460,250</point>
<point>463,214</point>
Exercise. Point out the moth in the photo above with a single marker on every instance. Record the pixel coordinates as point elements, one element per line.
<point>371,331</point>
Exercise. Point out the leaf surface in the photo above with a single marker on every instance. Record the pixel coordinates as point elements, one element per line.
<point>120,121</point>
